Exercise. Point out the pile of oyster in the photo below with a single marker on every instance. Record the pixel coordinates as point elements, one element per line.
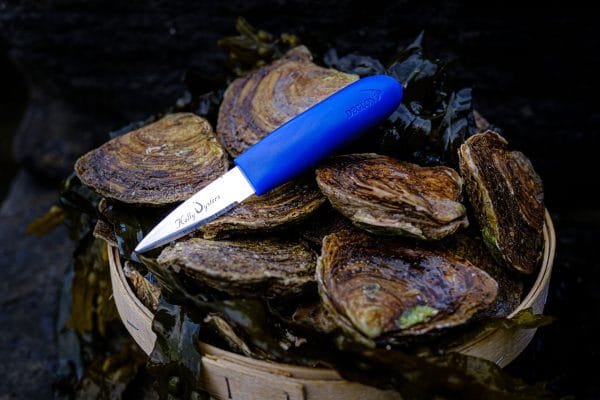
<point>388,249</point>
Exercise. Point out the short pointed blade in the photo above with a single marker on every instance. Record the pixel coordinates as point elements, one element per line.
<point>209,203</point>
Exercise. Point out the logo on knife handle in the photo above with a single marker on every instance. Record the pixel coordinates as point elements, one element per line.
<point>373,96</point>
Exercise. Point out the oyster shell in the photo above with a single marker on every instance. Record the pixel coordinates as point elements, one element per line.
<point>469,245</point>
<point>315,316</point>
<point>383,195</point>
<point>322,223</point>
<point>284,205</point>
<point>161,163</point>
<point>260,102</point>
<point>508,199</point>
<point>265,267</point>
<point>233,339</point>
<point>379,289</point>
<point>103,230</point>
<point>146,291</point>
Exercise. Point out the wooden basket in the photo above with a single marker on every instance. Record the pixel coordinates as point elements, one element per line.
<point>226,375</point>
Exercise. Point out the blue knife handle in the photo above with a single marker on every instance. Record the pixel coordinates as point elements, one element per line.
<point>303,141</point>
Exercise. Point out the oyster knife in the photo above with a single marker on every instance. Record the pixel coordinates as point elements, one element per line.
<point>285,153</point>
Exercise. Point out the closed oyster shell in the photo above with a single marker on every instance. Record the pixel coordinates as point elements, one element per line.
<point>470,246</point>
<point>508,199</point>
<point>383,195</point>
<point>265,267</point>
<point>379,289</point>
<point>260,102</point>
<point>161,163</point>
<point>280,207</point>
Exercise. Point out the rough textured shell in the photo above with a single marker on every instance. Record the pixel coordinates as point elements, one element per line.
<point>280,207</point>
<point>162,163</point>
<point>103,230</point>
<point>469,245</point>
<point>260,102</point>
<point>324,222</point>
<point>383,195</point>
<point>315,316</point>
<point>381,288</point>
<point>508,199</point>
<point>148,292</point>
<point>264,267</point>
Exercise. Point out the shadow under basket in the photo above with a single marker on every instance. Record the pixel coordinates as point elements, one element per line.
<point>226,375</point>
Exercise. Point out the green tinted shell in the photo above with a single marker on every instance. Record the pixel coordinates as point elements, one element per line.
<point>379,289</point>
<point>508,199</point>
<point>383,195</point>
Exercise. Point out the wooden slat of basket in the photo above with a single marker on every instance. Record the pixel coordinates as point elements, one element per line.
<point>228,375</point>
<point>134,314</point>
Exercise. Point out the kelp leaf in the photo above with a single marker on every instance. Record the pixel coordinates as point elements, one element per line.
<point>420,76</point>
<point>253,48</point>
<point>92,303</point>
<point>175,360</point>
<point>428,375</point>
<point>44,224</point>
<point>432,121</point>
<point>524,319</point>
<point>353,64</point>
<point>454,128</point>
<point>111,376</point>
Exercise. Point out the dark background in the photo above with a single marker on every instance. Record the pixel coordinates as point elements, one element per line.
<point>70,71</point>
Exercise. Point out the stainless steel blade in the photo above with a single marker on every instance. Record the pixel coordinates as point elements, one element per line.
<point>209,203</point>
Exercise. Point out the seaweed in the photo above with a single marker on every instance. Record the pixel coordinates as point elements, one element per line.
<point>131,224</point>
<point>353,64</point>
<point>175,359</point>
<point>251,317</point>
<point>478,330</point>
<point>432,122</point>
<point>114,375</point>
<point>253,47</point>
<point>92,304</point>
<point>98,358</point>
<point>429,375</point>
<point>53,218</point>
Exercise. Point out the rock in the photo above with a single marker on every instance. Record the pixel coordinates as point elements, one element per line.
<point>32,269</point>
